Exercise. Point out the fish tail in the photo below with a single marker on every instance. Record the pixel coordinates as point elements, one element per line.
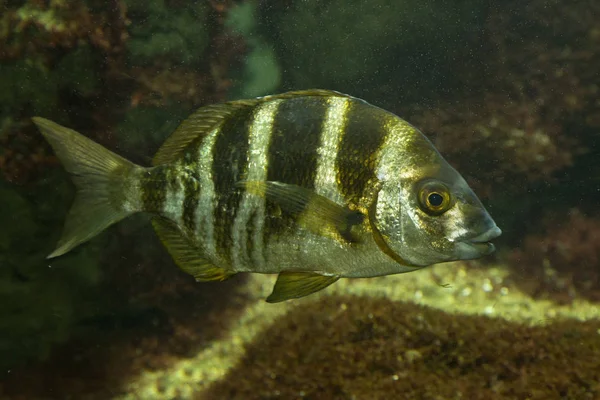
<point>106,190</point>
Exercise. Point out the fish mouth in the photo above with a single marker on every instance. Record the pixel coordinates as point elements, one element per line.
<point>480,245</point>
<point>486,236</point>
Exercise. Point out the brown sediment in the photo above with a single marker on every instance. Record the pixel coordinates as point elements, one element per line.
<point>368,348</point>
<point>452,289</point>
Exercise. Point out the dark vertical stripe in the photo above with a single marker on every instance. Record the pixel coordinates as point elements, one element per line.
<point>191,195</point>
<point>357,159</point>
<point>229,161</point>
<point>293,152</point>
<point>154,189</point>
<point>250,230</point>
<point>191,183</point>
<point>295,140</point>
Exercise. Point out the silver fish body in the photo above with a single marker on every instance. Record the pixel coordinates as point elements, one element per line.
<point>313,185</point>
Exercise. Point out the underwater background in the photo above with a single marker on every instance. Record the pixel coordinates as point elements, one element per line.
<point>507,91</point>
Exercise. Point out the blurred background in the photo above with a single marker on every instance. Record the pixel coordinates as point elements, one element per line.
<point>507,91</point>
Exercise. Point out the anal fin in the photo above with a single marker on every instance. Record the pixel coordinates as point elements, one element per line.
<point>186,254</point>
<point>292,285</point>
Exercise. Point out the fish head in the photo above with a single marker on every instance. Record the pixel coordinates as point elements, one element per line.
<point>431,215</point>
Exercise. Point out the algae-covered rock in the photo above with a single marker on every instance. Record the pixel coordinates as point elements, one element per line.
<point>79,71</point>
<point>368,348</point>
<point>360,46</point>
<point>174,33</point>
<point>261,73</point>
<point>27,84</point>
<point>31,87</point>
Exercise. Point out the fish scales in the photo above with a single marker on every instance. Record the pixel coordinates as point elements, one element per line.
<point>186,169</point>
<point>250,211</point>
<point>333,131</point>
<point>190,199</point>
<point>314,185</point>
<point>230,155</point>
<point>205,208</point>
<point>293,153</point>
<point>366,130</point>
<point>173,206</point>
<point>154,189</point>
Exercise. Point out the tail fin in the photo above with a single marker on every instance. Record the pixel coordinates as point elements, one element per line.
<point>102,180</point>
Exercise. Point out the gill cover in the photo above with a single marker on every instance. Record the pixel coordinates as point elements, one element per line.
<point>380,239</point>
<point>430,215</point>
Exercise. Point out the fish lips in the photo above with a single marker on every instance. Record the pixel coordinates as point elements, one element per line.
<point>478,246</point>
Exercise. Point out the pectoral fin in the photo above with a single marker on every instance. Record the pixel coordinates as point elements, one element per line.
<point>292,285</point>
<point>317,213</point>
<point>187,255</point>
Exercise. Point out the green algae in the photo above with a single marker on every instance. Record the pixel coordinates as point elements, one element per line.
<point>177,34</point>
<point>50,19</point>
<point>28,86</point>
<point>261,73</point>
<point>79,71</point>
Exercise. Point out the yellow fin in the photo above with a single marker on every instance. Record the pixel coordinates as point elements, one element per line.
<point>292,285</point>
<point>205,119</point>
<point>302,93</point>
<point>100,176</point>
<point>186,254</point>
<point>316,212</point>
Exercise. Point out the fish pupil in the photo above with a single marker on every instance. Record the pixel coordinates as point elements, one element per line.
<point>435,199</point>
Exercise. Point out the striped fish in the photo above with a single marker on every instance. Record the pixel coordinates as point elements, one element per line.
<point>312,185</point>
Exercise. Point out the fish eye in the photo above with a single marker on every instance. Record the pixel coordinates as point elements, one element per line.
<point>434,198</point>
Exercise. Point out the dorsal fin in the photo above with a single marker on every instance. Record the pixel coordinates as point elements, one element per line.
<point>205,119</point>
<point>302,93</point>
<point>199,124</point>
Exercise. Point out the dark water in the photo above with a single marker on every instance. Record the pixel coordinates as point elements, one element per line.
<point>507,91</point>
